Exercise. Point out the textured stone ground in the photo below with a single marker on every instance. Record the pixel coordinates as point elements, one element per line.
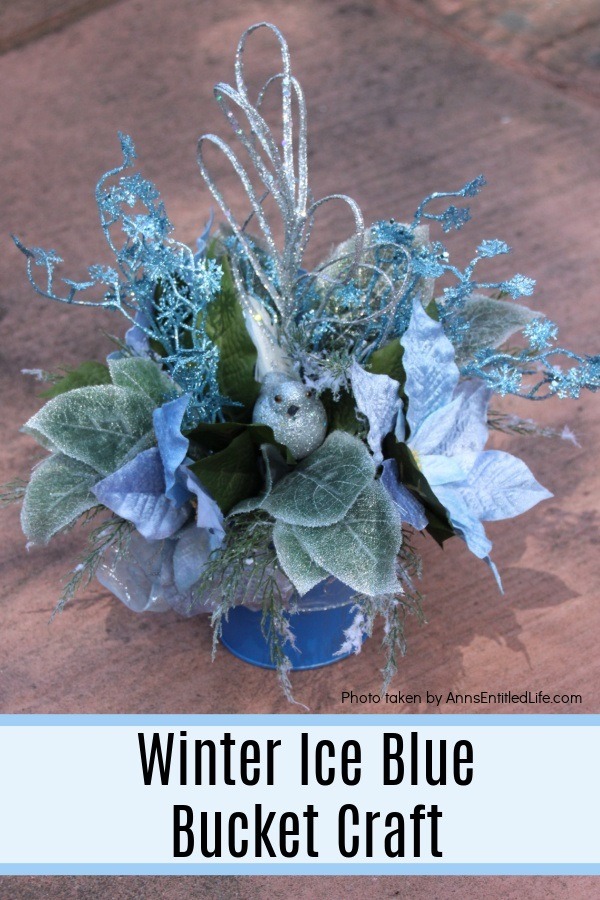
<point>403,97</point>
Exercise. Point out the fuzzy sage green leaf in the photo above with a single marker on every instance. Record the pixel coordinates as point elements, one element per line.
<point>143,376</point>
<point>302,571</point>
<point>57,494</point>
<point>101,426</point>
<point>360,549</point>
<point>323,487</point>
<point>491,322</point>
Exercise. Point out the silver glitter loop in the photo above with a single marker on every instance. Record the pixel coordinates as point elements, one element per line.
<point>283,174</point>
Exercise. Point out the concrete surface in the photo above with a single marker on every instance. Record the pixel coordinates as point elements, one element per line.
<point>400,102</point>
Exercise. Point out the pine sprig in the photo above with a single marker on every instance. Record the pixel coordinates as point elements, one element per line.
<point>113,533</point>
<point>12,492</point>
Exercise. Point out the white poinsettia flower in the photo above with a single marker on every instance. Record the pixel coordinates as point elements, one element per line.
<point>447,421</point>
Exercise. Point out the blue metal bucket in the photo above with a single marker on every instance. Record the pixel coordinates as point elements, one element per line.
<point>323,615</point>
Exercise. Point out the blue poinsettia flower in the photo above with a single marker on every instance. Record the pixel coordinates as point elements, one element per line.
<point>447,421</point>
<point>178,524</point>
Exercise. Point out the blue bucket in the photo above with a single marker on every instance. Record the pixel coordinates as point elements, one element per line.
<point>324,613</point>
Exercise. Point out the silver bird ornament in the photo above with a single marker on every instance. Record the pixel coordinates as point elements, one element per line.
<point>291,409</point>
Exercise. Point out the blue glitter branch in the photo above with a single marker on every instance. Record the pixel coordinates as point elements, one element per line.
<point>505,373</point>
<point>158,285</point>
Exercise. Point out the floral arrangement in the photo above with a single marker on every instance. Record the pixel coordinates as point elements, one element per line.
<point>264,427</point>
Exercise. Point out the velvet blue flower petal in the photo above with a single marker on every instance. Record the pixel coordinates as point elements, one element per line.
<point>136,492</point>
<point>411,510</point>
<point>172,445</point>
<point>137,339</point>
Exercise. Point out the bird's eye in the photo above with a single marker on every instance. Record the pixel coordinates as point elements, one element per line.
<point>278,398</point>
<point>310,392</point>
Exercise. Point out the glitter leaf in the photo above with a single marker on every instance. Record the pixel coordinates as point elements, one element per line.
<point>57,494</point>
<point>360,549</point>
<point>100,426</point>
<point>490,323</point>
<point>323,487</point>
<point>302,571</point>
<point>144,376</point>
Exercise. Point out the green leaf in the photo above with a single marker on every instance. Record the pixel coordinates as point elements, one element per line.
<point>491,322</point>
<point>219,435</point>
<point>100,426</point>
<point>411,476</point>
<point>341,413</point>
<point>85,375</point>
<point>361,548</point>
<point>232,474</point>
<point>388,361</point>
<point>295,561</point>
<point>143,376</point>
<point>432,311</point>
<point>226,327</point>
<point>323,487</point>
<point>275,468</point>
<point>58,493</point>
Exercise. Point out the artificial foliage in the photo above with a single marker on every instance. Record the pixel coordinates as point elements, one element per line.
<point>264,427</point>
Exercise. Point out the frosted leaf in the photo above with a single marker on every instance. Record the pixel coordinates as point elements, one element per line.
<point>431,373</point>
<point>376,398</point>
<point>490,323</point>
<point>361,549</point>
<point>99,426</point>
<point>323,487</point>
<point>410,509</point>
<point>136,492</point>
<point>501,486</point>
<point>295,561</point>
<point>57,494</point>
<point>142,375</point>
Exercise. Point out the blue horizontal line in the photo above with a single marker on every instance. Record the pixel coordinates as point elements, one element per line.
<point>302,721</point>
<point>302,869</point>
